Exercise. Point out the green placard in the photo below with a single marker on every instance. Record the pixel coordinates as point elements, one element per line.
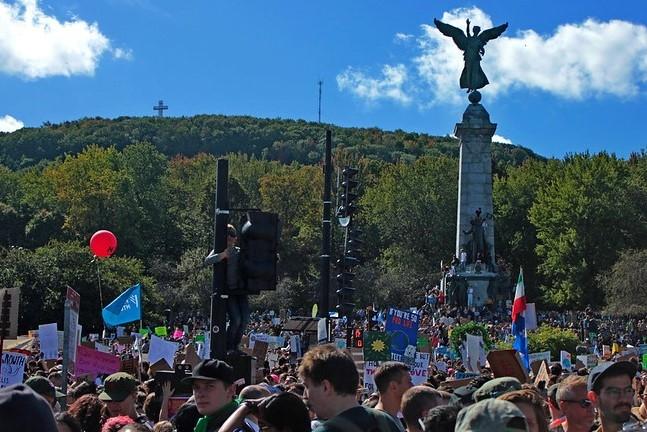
<point>644,361</point>
<point>377,346</point>
<point>199,338</point>
<point>423,342</point>
<point>144,331</point>
<point>160,331</point>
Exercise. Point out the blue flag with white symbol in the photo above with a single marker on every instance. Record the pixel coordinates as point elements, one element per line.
<point>125,308</point>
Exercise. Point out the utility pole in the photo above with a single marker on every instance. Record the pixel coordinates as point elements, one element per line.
<point>320,84</point>
<point>324,305</point>
<point>160,108</point>
<point>218,321</point>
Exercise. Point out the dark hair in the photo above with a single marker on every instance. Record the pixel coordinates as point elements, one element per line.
<point>421,398</point>
<point>441,419</point>
<point>388,372</point>
<point>152,406</point>
<point>327,362</point>
<point>87,410</point>
<point>186,418</point>
<point>69,421</point>
<point>285,411</point>
<point>83,389</point>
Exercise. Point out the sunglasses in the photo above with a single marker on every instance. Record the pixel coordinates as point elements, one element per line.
<point>584,403</point>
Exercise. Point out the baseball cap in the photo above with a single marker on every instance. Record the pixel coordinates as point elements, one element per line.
<point>43,387</point>
<point>118,387</point>
<point>212,370</point>
<point>22,409</point>
<point>606,369</point>
<point>464,395</point>
<point>496,387</point>
<point>491,415</point>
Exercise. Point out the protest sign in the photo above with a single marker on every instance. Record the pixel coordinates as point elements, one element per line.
<point>475,352</point>
<point>341,342</point>
<point>92,362</point>
<point>260,351</point>
<point>161,349</point>
<point>588,360</point>
<point>418,371</point>
<point>507,363</point>
<point>644,361</point>
<point>565,360</point>
<point>462,375</point>
<point>48,336</point>
<point>539,356</point>
<point>13,368</point>
<point>542,374</point>
<point>403,328</point>
<point>531,317</point>
<point>129,366</point>
<point>377,346</point>
<point>322,332</point>
<point>422,344</point>
<point>642,349</point>
<point>124,340</point>
<point>191,356</point>
<point>160,331</point>
<point>101,347</point>
<point>273,359</point>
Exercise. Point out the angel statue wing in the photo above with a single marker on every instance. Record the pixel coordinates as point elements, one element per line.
<point>493,33</point>
<point>457,35</point>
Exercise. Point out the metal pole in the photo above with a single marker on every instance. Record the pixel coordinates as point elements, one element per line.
<point>218,340</point>
<point>324,305</point>
<point>66,351</point>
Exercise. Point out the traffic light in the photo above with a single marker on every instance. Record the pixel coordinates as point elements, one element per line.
<point>5,308</point>
<point>349,194</point>
<point>353,244</point>
<point>358,338</point>
<point>345,291</point>
<point>259,242</point>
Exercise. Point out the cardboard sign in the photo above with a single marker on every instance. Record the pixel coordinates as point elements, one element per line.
<point>507,363</point>
<point>191,355</point>
<point>260,351</point>
<point>456,383</point>
<point>542,374</point>
<point>129,366</point>
<point>13,368</point>
<point>92,362</point>
<point>159,365</point>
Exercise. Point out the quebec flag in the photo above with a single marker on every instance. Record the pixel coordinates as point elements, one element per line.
<point>519,321</point>
<point>125,308</point>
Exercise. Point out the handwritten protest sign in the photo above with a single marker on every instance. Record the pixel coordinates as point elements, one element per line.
<point>93,362</point>
<point>13,368</point>
<point>418,371</point>
<point>403,327</point>
<point>48,336</point>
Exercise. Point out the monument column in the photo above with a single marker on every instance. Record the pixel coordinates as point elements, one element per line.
<point>475,175</point>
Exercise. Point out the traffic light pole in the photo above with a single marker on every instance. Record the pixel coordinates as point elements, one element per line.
<point>218,321</point>
<point>324,305</point>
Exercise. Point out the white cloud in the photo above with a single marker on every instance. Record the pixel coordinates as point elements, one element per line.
<point>122,54</point>
<point>36,45</point>
<point>501,139</point>
<point>576,61</point>
<point>389,86</point>
<point>403,37</point>
<point>10,124</point>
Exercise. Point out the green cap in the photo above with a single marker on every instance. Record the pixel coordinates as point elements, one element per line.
<point>491,415</point>
<point>118,387</point>
<point>43,387</point>
<point>496,387</point>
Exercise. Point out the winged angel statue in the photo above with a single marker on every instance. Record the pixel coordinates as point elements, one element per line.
<point>472,77</point>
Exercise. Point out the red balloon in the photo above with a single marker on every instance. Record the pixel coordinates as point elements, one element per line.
<point>103,243</point>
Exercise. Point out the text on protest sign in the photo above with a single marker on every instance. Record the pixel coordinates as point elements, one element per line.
<point>13,368</point>
<point>93,362</point>
<point>418,371</point>
<point>403,326</point>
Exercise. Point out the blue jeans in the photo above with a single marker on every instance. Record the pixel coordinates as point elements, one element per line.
<point>238,311</point>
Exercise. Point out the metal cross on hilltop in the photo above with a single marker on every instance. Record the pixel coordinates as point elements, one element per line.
<point>160,108</point>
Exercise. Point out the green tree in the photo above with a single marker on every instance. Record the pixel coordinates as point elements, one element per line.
<point>553,339</point>
<point>581,223</point>
<point>625,282</point>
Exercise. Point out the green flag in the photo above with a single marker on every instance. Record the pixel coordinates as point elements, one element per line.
<point>377,346</point>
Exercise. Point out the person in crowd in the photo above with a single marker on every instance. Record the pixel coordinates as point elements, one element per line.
<point>66,422</point>
<point>253,392</point>
<point>416,403</point>
<point>491,415</point>
<point>496,387</point>
<point>22,409</point>
<point>213,390</point>
<point>88,411</point>
<point>237,303</point>
<point>392,380</point>
<point>441,419</point>
<point>331,381</point>
<point>575,405</point>
<point>283,412</point>
<point>556,414</point>
<point>640,412</point>
<point>46,389</point>
<point>610,390</point>
<point>532,406</point>
<point>115,424</point>
<point>164,426</point>
<point>120,396</point>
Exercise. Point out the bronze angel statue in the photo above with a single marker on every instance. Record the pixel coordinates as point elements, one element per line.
<point>472,77</point>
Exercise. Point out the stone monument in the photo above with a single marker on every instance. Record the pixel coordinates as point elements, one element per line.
<point>472,277</point>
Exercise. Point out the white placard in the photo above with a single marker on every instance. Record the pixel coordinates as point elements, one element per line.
<point>544,355</point>
<point>418,371</point>
<point>48,335</point>
<point>161,349</point>
<point>13,368</point>
<point>322,332</point>
<point>101,347</point>
<point>474,344</point>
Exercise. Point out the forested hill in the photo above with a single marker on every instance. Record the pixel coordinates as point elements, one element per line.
<point>274,139</point>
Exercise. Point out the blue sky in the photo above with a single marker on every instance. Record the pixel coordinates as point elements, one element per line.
<point>566,77</point>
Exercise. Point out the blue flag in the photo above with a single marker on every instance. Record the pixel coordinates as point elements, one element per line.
<point>125,308</point>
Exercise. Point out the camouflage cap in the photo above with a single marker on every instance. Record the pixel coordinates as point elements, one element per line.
<point>491,415</point>
<point>496,387</point>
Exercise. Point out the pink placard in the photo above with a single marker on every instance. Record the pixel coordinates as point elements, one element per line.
<point>89,361</point>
